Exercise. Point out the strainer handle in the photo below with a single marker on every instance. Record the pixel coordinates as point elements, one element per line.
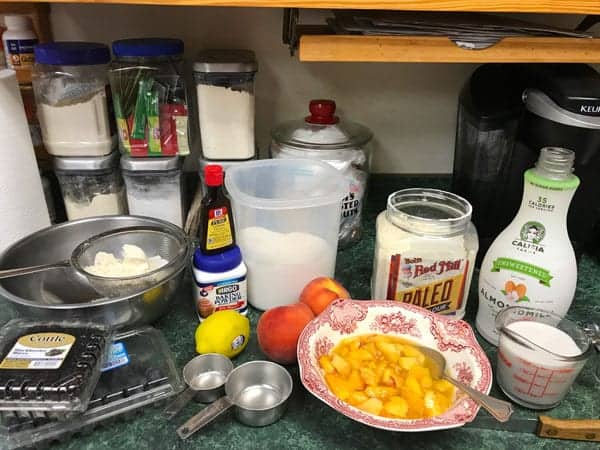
<point>204,417</point>
<point>9,273</point>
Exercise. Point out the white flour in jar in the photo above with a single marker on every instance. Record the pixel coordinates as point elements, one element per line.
<point>163,203</point>
<point>101,205</point>
<point>281,264</point>
<point>76,129</point>
<point>226,122</point>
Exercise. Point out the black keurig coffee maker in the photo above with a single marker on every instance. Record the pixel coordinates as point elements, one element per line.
<point>507,113</point>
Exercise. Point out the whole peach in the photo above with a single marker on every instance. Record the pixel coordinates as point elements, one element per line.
<point>278,331</point>
<point>320,292</point>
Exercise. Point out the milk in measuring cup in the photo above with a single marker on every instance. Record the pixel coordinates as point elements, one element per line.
<point>535,378</point>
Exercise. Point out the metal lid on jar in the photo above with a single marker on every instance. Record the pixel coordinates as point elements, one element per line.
<point>147,47</point>
<point>86,162</point>
<point>150,164</point>
<point>321,130</point>
<point>72,53</point>
<point>225,61</point>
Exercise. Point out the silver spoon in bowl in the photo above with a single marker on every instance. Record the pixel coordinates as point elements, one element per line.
<point>500,409</point>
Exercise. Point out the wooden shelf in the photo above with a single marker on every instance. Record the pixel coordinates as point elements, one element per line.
<point>533,6</point>
<point>335,48</point>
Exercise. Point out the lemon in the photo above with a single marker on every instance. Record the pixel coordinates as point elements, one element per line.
<point>225,332</point>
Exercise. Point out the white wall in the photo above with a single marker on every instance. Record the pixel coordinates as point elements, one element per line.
<point>411,108</point>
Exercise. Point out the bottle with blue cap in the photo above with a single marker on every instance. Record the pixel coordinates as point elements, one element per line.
<point>220,282</point>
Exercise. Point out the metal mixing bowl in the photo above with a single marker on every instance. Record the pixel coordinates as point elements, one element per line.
<point>64,294</point>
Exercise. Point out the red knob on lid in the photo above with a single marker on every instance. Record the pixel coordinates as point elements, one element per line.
<point>321,112</point>
<point>213,175</point>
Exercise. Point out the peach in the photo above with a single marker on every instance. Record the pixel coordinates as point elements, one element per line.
<point>320,292</point>
<point>278,331</point>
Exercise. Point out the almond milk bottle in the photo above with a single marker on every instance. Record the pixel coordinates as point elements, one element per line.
<point>532,262</point>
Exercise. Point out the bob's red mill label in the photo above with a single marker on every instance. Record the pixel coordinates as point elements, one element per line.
<point>436,285</point>
<point>39,351</point>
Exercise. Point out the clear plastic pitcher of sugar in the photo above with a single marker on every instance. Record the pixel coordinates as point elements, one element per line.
<point>287,217</point>
<point>540,355</point>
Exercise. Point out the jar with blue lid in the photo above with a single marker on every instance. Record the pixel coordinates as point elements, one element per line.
<point>74,109</point>
<point>219,282</point>
<point>148,88</point>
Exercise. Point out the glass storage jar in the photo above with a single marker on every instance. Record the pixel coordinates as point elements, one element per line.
<point>91,186</point>
<point>154,187</point>
<point>149,96</point>
<point>344,145</point>
<point>225,93</point>
<point>425,251</point>
<point>70,86</point>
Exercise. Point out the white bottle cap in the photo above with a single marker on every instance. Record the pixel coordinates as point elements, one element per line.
<point>17,22</point>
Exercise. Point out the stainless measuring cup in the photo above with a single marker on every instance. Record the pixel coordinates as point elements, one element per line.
<point>259,390</point>
<point>205,377</point>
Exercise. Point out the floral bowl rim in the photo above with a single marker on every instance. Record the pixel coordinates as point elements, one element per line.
<point>341,319</point>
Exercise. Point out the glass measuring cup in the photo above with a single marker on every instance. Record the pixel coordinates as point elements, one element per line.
<point>539,355</point>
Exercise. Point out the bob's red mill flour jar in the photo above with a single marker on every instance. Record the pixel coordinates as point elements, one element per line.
<point>425,251</point>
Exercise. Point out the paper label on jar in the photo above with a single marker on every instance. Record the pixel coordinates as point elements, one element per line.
<point>39,351</point>
<point>19,52</point>
<point>220,296</point>
<point>436,285</point>
<point>218,229</point>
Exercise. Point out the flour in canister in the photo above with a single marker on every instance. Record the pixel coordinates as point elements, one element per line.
<point>226,122</point>
<point>281,264</point>
<point>100,205</point>
<point>73,128</point>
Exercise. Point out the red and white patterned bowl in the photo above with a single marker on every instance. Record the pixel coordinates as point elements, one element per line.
<point>466,360</point>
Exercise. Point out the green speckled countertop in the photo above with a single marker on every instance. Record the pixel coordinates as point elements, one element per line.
<point>310,424</point>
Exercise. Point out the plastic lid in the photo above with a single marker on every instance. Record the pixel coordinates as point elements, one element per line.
<point>224,61</point>
<point>322,130</point>
<point>213,175</point>
<point>72,53</point>
<point>221,262</point>
<point>17,22</point>
<point>86,162</point>
<point>150,164</point>
<point>148,47</point>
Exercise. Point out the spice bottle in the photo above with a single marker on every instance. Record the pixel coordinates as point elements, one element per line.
<point>216,220</point>
<point>18,40</point>
<point>220,282</point>
<point>425,251</point>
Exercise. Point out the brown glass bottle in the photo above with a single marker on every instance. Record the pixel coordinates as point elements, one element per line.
<point>217,232</point>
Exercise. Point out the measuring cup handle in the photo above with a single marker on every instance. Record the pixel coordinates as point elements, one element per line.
<point>204,417</point>
<point>177,405</point>
<point>500,409</point>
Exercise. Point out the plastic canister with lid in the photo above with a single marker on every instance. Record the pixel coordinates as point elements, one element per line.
<point>225,93</point>
<point>91,186</point>
<point>148,87</point>
<point>154,187</point>
<point>219,282</point>
<point>70,86</point>
<point>343,144</point>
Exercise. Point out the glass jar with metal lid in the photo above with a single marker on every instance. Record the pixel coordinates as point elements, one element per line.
<point>425,251</point>
<point>70,85</point>
<point>91,186</point>
<point>149,96</point>
<point>154,187</point>
<point>343,144</point>
<point>225,93</point>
